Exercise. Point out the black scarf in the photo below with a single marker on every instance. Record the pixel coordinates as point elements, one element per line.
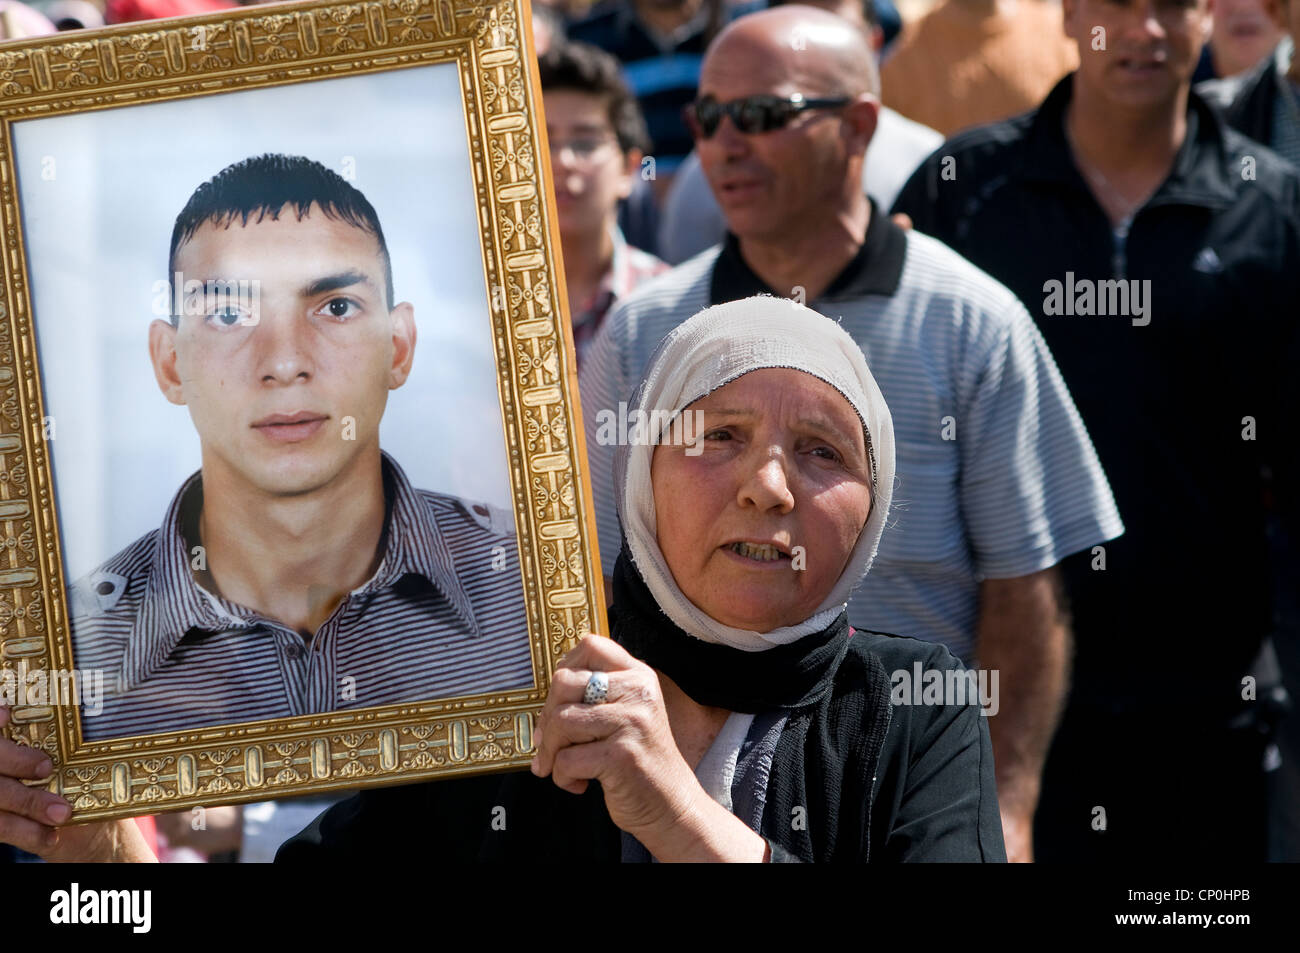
<point>788,676</point>
<point>837,697</point>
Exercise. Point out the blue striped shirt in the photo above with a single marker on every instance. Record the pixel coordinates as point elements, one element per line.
<point>442,616</point>
<point>996,475</point>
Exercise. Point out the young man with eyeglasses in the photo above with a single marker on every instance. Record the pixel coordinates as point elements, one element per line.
<point>597,139</point>
<point>999,475</point>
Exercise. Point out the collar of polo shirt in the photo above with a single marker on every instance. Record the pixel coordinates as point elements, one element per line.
<point>174,603</point>
<point>876,269</point>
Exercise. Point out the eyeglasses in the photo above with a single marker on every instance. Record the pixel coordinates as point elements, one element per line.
<point>753,114</point>
<point>583,150</point>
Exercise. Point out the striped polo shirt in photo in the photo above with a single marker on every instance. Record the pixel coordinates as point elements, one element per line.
<point>442,616</point>
<point>996,475</point>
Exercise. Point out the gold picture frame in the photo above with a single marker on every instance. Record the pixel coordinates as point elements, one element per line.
<point>258,49</point>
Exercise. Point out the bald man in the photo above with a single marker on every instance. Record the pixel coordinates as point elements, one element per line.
<point>997,478</point>
<point>692,220</point>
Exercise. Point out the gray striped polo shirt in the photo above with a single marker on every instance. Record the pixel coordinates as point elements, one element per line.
<point>442,616</point>
<point>996,475</point>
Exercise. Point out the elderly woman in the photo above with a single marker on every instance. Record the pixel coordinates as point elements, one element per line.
<point>735,714</point>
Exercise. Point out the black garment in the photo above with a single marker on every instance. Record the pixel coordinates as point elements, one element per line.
<point>1204,66</point>
<point>1249,105</point>
<point>1164,403</point>
<point>837,704</point>
<point>1168,630</point>
<point>638,217</point>
<point>1247,101</point>
<point>796,675</point>
<point>1169,786</point>
<point>931,767</point>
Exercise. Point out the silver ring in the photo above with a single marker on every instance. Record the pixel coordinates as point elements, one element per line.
<point>597,689</point>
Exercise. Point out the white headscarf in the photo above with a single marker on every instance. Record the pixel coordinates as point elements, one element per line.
<point>706,352</point>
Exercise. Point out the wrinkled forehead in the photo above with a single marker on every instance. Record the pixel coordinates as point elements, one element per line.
<point>770,386</point>
<point>783,394</point>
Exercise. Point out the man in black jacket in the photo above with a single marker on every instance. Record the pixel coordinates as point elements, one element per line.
<point>1159,253</point>
<point>1264,103</point>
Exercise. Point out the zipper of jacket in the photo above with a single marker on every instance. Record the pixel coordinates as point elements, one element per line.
<point>1119,249</point>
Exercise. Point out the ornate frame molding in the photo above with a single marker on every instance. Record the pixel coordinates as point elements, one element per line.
<point>263,46</point>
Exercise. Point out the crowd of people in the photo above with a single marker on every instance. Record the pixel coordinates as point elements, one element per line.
<point>1088,145</point>
<point>1060,245</point>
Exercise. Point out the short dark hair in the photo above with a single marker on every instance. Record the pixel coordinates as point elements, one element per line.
<point>589,69</point>
<point>265,184</point>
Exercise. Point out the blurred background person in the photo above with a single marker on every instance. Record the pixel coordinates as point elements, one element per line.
<point>1243,33</point>
<point>597,139</point>
<point>1264,102</point>
<point>967,62</point>
<point>548,28</point>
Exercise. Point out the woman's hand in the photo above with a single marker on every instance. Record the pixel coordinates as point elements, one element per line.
<point>31,817</point>
<point>627,745</point>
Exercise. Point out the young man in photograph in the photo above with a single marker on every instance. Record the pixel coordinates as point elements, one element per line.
<point>298,571</point>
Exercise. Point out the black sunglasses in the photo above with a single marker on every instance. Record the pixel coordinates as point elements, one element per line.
<point>753,113</point>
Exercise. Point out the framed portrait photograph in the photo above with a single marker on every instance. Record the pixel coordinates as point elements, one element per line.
<point>291,489</point>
